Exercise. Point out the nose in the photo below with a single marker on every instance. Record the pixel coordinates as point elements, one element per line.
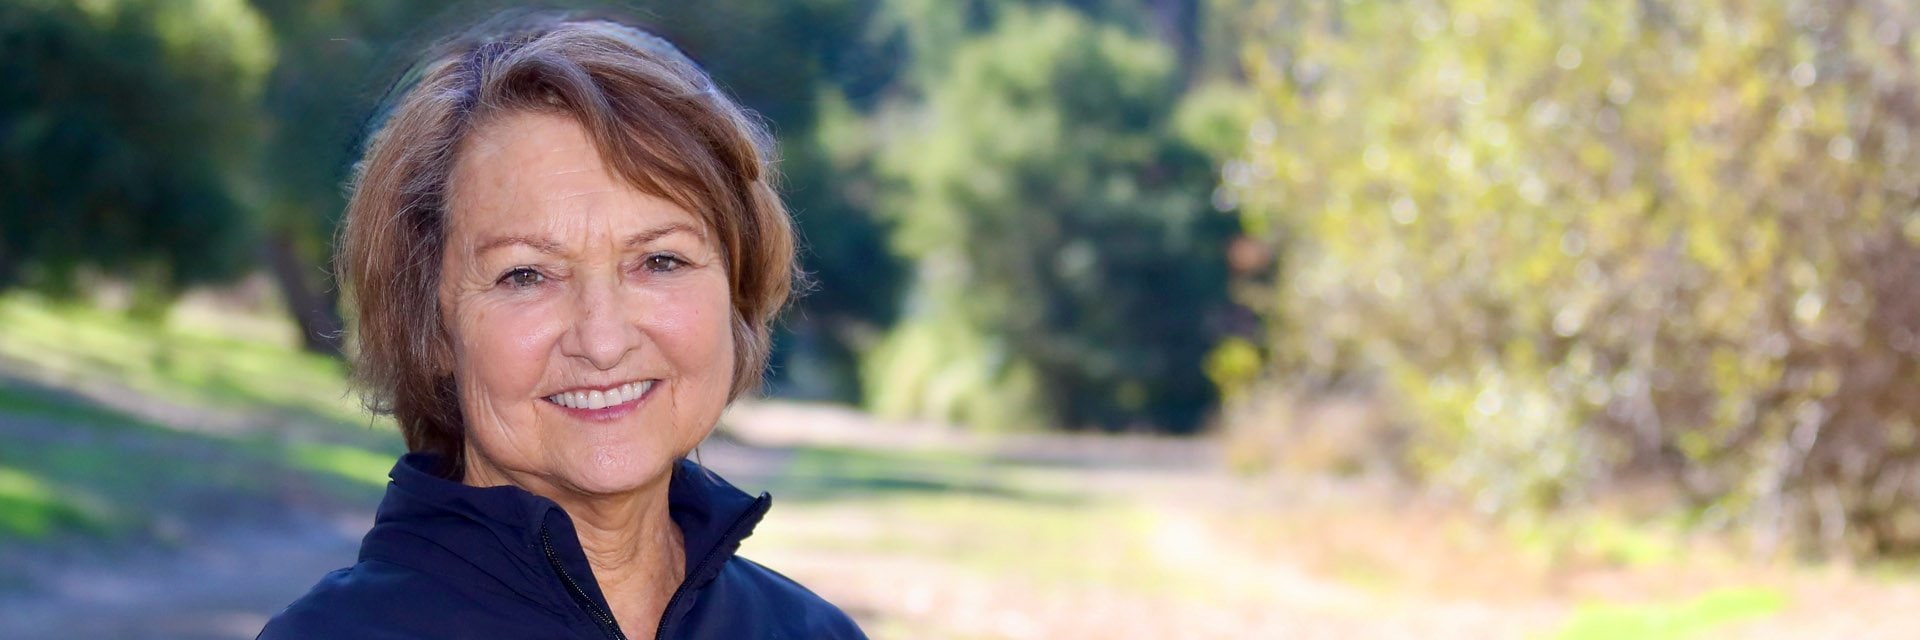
<point>602,332</point>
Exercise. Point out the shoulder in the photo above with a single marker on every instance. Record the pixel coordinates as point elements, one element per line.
<point>354,601</point>
<point>375,599</point>
<point>781,606</point>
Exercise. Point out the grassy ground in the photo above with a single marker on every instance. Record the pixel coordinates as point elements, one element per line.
<point>126,434</point>
<point>123,429</point>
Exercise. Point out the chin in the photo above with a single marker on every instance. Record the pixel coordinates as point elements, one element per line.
<point>620,469</point>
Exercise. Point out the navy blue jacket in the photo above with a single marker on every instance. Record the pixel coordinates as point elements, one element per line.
<point>446,560</point>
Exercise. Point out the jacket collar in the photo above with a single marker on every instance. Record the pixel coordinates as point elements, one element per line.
<point>497,530</point>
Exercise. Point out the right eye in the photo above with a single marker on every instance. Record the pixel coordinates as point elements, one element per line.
<point>521,278</point>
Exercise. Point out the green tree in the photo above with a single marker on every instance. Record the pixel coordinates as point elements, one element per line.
<point>1068,265</point>
<point>1580,240</point>
<point>124,128</point>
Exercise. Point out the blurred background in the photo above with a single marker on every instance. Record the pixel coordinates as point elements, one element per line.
<point>1129,318</point>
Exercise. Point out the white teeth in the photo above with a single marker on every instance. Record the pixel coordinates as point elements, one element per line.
<point>591,400</point>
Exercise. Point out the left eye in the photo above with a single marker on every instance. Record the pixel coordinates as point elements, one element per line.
<point>662,263</point>
<point>521,278</point>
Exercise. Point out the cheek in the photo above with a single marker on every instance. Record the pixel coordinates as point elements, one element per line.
<point>502,352</point>
<point>695,330</point>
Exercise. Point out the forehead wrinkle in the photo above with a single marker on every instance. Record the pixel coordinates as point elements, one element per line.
<point>575,194</point>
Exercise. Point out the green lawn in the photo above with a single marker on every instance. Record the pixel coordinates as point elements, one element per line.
<point>189,358</point>
<point>75,464</point>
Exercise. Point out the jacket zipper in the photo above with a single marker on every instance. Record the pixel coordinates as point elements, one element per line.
<point>733,531</point>
<point>607,624</point>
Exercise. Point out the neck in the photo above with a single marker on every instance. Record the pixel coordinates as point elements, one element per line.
<point>635,549</point>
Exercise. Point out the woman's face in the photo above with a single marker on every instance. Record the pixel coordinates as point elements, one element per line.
<point>590,322</point>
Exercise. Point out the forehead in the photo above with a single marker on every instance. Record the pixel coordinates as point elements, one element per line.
<point>529,170</point>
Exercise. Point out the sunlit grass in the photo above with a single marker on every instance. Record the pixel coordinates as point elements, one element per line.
<point>1601,536</point>
<point>88,470</point>
<point>1664,621</point>
<point>190,362</point>
<point>349,463</point>
<point>29,508</point>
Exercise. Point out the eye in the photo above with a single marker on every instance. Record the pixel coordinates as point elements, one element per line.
<point>662,263</point>
<point>521,278</point>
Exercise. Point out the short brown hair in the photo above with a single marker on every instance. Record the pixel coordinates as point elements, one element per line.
<point>656,118</point>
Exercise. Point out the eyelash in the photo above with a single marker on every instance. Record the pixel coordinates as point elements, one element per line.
<point>656,263</point>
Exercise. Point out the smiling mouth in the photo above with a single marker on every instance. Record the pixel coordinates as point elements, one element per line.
<point>592,400</point>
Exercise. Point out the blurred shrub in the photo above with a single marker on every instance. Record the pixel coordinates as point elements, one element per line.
<point>1067,260</point>
<point>1578,240</point>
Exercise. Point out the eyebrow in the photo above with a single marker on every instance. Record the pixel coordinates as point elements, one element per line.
<point>662,231</point>
<point>541,245</point>
<point>549,247</point>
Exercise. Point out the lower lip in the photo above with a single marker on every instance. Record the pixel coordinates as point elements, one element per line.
<point>608,413</point>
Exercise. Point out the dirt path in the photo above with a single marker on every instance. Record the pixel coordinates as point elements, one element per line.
<point>1177,483</point>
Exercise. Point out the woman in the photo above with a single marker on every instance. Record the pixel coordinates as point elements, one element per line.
<point>564,253</point>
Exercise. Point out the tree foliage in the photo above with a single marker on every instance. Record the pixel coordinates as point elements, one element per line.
<point>124,134</point>
<point>1067,262</point>
<point>1583,239</point>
